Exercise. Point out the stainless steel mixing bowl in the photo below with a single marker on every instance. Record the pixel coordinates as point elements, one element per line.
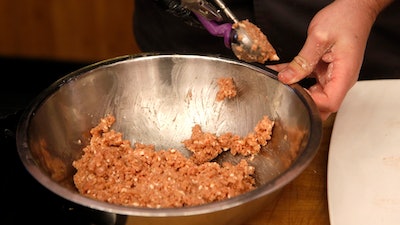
<point>156,99</point>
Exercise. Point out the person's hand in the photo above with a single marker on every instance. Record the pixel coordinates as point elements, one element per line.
<point>333,52</point>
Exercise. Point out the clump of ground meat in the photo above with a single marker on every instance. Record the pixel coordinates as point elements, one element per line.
<point>227,88</point>
<point>113,171</point>
<point>207,146</point>
<point>261,44</point>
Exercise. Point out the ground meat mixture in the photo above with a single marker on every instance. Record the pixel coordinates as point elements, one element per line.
<point>113,171</point>
<point>207,146</point>
<point>227,88</point>
<point>261,44</point>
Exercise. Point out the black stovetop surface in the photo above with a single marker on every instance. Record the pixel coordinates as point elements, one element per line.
<point>24,200</point>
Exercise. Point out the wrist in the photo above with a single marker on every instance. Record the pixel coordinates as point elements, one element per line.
<point>372,8</point>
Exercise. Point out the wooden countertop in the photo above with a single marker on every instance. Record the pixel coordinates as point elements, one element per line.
<point>304,200</point>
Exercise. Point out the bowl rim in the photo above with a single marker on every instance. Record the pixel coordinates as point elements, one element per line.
<point>275,184</point>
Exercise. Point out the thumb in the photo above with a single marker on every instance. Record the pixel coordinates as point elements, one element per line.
<point>305,62</point>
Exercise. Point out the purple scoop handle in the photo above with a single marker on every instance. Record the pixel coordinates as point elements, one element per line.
<point>219,30</point>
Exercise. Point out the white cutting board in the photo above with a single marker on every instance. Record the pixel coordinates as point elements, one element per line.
<point>364,156</point>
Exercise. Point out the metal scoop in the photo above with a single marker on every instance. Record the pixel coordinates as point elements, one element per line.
<point>245,39</point>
